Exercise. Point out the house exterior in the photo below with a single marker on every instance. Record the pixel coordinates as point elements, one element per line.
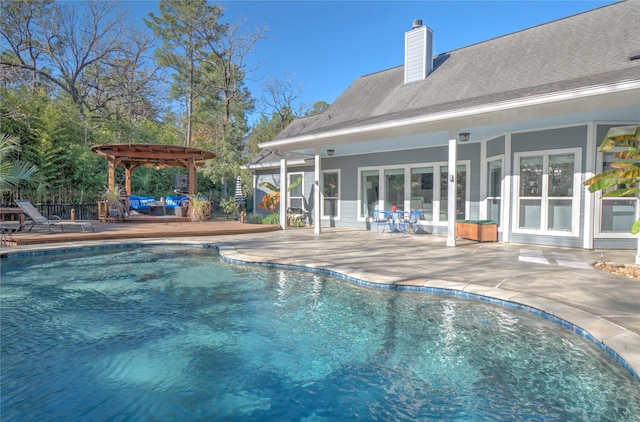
<point>534,104</point>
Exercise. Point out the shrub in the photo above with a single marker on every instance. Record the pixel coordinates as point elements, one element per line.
<point>253,219</point>
<point>271,219</point>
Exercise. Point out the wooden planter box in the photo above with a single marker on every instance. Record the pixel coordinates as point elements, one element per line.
<point>478,230</point>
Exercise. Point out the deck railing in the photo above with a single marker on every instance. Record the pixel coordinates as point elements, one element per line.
<point>82,211</point>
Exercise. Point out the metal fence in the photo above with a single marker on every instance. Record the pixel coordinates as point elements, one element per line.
<point>82,211</point>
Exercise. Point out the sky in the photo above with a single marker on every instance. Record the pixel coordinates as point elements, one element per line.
<point>324,46</point>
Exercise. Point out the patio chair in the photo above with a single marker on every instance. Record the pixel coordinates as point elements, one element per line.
<point>36,219</point>
<point>381,219</point>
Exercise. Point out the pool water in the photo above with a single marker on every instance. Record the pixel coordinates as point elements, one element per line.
<point>173,333</point>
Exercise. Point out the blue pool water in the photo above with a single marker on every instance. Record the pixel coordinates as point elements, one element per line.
<point>174,333</point>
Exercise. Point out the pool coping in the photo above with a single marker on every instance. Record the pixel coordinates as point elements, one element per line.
<point>615,341</point>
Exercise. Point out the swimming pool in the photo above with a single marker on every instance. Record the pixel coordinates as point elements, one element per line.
<point>174,333</point>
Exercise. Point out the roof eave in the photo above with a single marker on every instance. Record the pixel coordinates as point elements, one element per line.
<point>451,116</point>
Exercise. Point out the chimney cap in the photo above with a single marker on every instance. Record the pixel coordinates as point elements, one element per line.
<point>417,23</point>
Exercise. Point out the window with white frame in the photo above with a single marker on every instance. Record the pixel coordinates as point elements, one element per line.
<point>369,189</point>
<point>331,193</point>
<point>494,189</point>
<point>461,182</point>
<point>295,196</point>
<point>412,187</point>
<point>617,214</point>
<point>422,191</point>
<point>394,189</point>
<point>548,191</point>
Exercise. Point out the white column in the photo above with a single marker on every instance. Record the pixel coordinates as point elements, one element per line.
<point>452,191</point>
<point>283,193</point>
<point>507,191</point>
<point>254,185</point>
<point>317,197</point>
<point>483,181</point>
<point>589,198</point>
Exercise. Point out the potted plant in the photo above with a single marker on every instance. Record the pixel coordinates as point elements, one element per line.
<point>199,208</point>
<point>114,208</point>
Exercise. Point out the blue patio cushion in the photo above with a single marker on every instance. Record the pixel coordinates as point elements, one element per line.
<point>172,202</point>
<point>141,202</point>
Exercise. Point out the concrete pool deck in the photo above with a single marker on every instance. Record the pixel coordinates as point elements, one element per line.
<point>558,281</point>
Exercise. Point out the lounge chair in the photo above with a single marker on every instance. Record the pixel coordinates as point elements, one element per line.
<point>34,218</point>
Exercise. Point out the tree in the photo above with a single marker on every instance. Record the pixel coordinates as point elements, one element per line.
<point>318,107</point>
<point>177,27</point>
<point>624,177</point>
<point>52,42</point>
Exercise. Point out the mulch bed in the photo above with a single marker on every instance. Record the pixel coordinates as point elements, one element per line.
<point>625,270</point>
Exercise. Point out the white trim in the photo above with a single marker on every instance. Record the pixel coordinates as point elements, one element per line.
<point>589,198</point>
<point>507,190</point>
<point>317,222</point>
<point>544,199</point>
<point>289,196</point>
<point>452,189</point>
<point>283,193</point>
<point>484,209</point>
<point>464,112</point>
<point>598,234</point>
<point>482,199</point>
<point>322,197</point>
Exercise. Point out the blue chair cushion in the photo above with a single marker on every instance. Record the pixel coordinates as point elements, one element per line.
<point>172,202</point>
<point>139,203</point>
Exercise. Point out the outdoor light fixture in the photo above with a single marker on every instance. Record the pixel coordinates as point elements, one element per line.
<point>464,136</point>
<point>330,152</point>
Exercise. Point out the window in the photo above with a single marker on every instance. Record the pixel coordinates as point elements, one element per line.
<point>394,189</point>
<point>617,214</point>
<point>295,195</point>
<point>417,187</point>
<point>494,189</point>
<point>546,194</point>
<point>461,182</point>
<point>422,191</point>
<point>369,191</point>
<point>330,193</point>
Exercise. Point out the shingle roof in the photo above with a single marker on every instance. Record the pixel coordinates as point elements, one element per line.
<point>587,49</point>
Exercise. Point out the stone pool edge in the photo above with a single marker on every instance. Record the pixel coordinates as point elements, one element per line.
<point>619,343</point>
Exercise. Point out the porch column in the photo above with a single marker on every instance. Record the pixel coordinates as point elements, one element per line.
<point>452,191</point>
<point>317,197</point>
<point>507,192</point>
<point>283,193</point>
<point>589,198</point>
<point>254,184</point>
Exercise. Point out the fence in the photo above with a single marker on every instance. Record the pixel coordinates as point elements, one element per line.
<point>83,211</point>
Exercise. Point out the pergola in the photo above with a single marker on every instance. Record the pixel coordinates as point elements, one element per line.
<point>132,156</point>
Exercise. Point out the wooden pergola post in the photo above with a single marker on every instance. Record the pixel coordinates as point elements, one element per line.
<point>193,179</point>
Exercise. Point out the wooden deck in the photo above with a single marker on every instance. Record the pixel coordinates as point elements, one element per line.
<point>134,229</point>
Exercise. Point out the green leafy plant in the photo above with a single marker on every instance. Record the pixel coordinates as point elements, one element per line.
<point>12,172</point>
<point>229,206</point>
<point>271,219</point>
<point>253,219</point>
<point>271,200</point>
<point>624,176</point>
